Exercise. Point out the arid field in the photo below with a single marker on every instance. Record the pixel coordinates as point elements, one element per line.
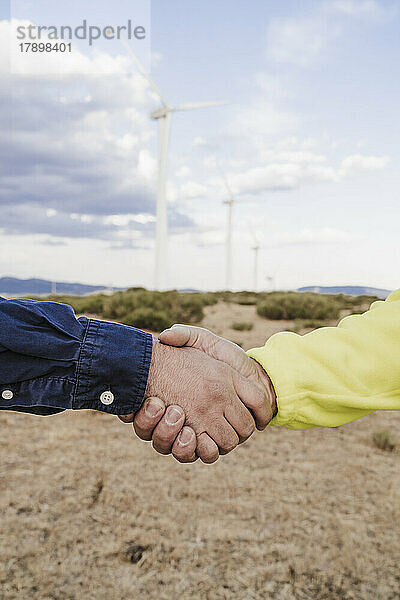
<point>88,512</point>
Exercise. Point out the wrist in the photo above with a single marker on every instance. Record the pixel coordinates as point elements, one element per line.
<point>154,367</point>
<point>156,386</point>
<point>266,382</point>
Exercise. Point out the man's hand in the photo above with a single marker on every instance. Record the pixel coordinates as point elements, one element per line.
<point>212,396</point>
<point>158,426</point>
<point>225,351</point>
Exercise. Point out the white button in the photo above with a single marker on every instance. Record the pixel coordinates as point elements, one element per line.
<point>107,398</point>
<point>7,395</point>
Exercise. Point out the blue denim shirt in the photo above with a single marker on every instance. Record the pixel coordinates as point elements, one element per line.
<point>50,361</point>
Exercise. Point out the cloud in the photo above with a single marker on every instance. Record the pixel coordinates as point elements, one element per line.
<point>192,189</point>
<point>77,144</point>
<point>279,176</point>
<point>298,41</point>
<point>261,119</point>
<point>301,40</point>
<point>300,168</point>
<point>183,172</point>
<point>360,162</point>
<point>33,218</point>
<point>357,8</point>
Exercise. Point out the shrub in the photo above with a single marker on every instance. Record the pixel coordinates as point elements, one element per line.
<point>92,304</point>
<point>384,441</point>
<point>242,326</point>
<point>147,318</point>
<point>244,298</point>
<point>190,310</point>
<point>296,305</point>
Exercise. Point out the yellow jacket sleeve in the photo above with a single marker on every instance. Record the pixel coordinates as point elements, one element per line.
<point>334,375</point>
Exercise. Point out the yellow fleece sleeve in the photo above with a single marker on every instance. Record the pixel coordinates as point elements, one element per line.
<point>335,375</point>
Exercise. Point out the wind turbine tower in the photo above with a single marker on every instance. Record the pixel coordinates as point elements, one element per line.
<point>256,249</point>
<point>228,240</point>
<point>163,116</point>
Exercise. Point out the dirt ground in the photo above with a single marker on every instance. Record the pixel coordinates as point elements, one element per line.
<point>89,512</point>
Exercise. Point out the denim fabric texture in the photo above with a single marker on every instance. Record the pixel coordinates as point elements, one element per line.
<point>51,361</point>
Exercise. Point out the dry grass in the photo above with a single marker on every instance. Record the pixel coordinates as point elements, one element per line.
<point>384,440</point>
<point>88,512</point>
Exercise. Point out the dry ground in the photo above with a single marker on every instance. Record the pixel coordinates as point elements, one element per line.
<point>89,512</point>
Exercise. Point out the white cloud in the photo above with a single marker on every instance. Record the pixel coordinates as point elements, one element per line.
<point>298,40</point>
<point>357,8</point>
<point>295,156</point>
<point>282,176</point>
<point>261,119</point>
<point>360,162</point>
<point>302,39</point>
<point>182,172</point>
<point>192,189</point>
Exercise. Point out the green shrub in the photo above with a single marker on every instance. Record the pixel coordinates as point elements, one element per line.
<point>242,326</point>
<point>92,304</point>
<point>207,299</point>
<point>190,310</point>
<point>297,305</point>
<point>147,318</point>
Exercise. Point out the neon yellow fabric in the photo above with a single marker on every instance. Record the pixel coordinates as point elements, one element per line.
<point>336,374</point>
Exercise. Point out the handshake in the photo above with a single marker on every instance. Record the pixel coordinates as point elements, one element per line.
<point>204,396</point>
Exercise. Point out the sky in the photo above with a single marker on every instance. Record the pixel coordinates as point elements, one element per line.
<point>309,144</point>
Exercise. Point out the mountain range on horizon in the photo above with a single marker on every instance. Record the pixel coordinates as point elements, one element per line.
<point>349,290</point>
<point>13,286</point>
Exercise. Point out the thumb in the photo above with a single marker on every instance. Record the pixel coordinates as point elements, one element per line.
<point>255,398</point>
<point>183,335</point>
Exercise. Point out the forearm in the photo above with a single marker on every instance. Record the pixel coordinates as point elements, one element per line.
<point>336,374</point>
<point>51,361</point>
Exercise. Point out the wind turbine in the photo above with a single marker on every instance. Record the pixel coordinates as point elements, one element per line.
<point>163,116</point>
<point>256,249</point>
<point>228,241</point>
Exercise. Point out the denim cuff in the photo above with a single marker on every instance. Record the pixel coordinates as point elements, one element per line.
<point>113,368</point>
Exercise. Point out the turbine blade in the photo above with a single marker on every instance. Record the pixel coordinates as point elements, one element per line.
<point>228,187</point>
<point>143,71</point>
<point>194,105</point>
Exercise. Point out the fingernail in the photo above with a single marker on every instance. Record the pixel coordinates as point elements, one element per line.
<point>153,407</point>
<point>173,416</point>
<point>185,436</point>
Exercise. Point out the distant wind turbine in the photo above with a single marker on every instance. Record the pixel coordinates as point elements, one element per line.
<point>228,241</point>
<point>271,282</point>
<point>256,249</point>
<point>163,116</point>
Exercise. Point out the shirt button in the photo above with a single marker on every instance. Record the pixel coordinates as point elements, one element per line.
<point>7,395</point>
<point>107,398</point>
